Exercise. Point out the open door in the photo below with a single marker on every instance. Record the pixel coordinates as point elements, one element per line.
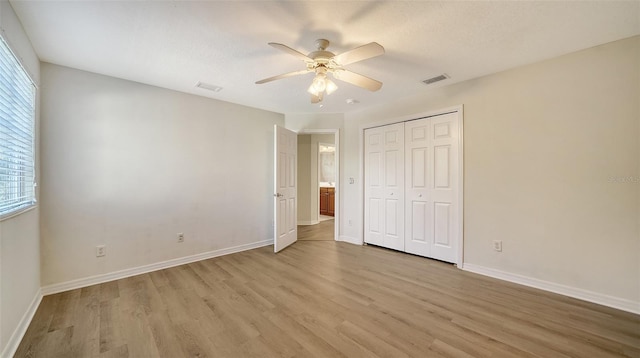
<point>285,210</point>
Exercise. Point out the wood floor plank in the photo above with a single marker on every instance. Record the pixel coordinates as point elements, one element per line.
<point>137,330</point>
<point>63,315</point>
<point>370,341</point>
<point>321,298</point>
<point>35,337</point>
<point>111,331</point>
<point>323,231</point>
<point>86,338</point>
<point>301,334</point>
<point>109,291</point>
<point>118,352</point>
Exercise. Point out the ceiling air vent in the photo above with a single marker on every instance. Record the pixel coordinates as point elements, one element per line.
<point>435,79</point>
<point>209,87</point>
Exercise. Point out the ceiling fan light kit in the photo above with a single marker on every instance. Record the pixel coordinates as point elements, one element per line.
<point>321,84</point>
<point>322,62</point>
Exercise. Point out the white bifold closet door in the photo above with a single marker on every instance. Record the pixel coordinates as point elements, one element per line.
<point>431,185</point>
<point>384,188</point>
<point>427,198</point>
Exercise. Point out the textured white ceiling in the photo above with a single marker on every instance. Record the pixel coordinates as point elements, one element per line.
<point>175,44</point>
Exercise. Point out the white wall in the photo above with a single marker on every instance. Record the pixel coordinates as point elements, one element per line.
<point>300,121</point>
<point>19,235</point>
<point>544,144</point>
<point>129,166</point>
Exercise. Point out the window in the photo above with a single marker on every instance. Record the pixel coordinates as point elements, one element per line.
<point>17,122</point>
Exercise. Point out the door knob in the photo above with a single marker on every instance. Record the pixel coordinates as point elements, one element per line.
<point>278,195</point>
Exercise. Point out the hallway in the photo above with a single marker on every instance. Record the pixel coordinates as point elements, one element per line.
<point>319,232</point>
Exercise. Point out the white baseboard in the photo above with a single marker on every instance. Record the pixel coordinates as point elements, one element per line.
<point>585,295</point>
<point>13,343</point>
<point>307,223</point>
<point>351,240</point>
<point>93,280</point>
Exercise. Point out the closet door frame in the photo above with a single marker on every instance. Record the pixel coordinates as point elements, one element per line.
<point>460,197</point>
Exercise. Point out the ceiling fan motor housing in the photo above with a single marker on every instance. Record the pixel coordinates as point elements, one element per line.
<point>321,55</point>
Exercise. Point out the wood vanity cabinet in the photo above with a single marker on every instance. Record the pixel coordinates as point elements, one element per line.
<point>327,201</point>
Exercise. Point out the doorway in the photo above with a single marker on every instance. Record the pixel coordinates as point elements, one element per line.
<point>318,182</point>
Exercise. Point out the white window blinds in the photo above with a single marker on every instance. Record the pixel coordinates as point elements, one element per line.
<point>17,118</point>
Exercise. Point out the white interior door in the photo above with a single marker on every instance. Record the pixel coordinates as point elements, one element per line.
<point>445,186</point>
<point>431,186</point>
<point>384,186</point>
<point>285,201</point>
<point>418,204</point>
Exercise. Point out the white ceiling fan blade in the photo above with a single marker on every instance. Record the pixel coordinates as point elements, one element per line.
<point>358,80</point>
<point>363,52</point>
<point>284,75</point>
<point>291,51</point>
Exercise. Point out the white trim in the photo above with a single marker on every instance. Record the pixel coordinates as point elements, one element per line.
<point>351,240</point>
<point>361,185</point>
<point>412,117</point>
<point>13,214</point>
<point>20,59</point>
<point>13,343</point>
<point>93,280</point>
<point>309,222</point>
<point>335,174</point>
<point>585,295</point>
<point>460,262</point>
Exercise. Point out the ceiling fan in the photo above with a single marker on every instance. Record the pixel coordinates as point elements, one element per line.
<point>322,62</point>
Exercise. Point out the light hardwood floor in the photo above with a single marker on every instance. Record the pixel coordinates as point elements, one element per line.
<point>323,299</point>
<point>320,232</point>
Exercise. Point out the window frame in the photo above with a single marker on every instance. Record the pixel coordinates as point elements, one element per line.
<point>28,204</point>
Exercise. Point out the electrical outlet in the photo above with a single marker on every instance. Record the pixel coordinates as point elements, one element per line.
<point>101,250</point>
<point>350,222</point>
<point>180,237</point>
<point>497,245</point>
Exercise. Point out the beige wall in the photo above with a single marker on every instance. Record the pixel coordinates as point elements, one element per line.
<point>544,146</point>
<point>19,235</point>
<point>129,166</point>
<point>304,180</point>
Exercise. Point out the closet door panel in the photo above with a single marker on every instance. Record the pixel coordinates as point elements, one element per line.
<point>442,220</point>
<point>418,207</point>
<point>374,185</point>
<point>444,189</point>
<point>394,186</point>
<point>441,166</point>
<point>384,186</point>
